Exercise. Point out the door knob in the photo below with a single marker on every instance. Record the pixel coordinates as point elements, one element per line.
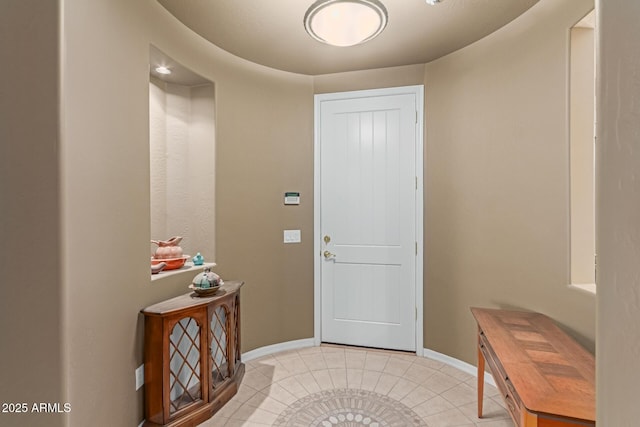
<point>328,255</point>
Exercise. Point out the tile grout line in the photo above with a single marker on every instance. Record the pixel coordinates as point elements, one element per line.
<point>404,385</point>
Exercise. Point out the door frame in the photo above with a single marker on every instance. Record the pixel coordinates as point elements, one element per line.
<point>418,91</point>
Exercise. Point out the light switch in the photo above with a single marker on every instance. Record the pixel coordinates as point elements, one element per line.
<point>292,236</point>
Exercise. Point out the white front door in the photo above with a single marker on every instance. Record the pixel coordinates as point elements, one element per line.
<point>367,143</point>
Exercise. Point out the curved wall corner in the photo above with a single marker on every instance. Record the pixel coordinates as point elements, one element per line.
<point>263,148</point>
<point>497,175</point>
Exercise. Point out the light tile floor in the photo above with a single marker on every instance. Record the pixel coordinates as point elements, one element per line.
<point>440,394</point>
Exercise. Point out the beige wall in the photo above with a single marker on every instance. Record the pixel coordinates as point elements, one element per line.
<point>31,346</point>
<point>264,150</point>
<point>618,226</point>
<point>74,330</point>
<point>264,119</point>
<point>497,175</point>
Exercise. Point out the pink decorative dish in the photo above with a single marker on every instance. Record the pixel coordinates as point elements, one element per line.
<point>172,263</point>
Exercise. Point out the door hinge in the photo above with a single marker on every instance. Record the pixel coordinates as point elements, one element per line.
<point>416,116</point>
<point>416,248</point>
<point>416,313</point>
<point>416,182</point>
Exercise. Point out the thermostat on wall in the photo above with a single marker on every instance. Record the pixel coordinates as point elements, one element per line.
<point>291,198</point>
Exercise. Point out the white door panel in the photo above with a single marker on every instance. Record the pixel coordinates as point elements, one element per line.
<point>365,293</point>
<point>368,210</point>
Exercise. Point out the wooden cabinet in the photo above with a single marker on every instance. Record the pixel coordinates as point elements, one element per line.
<point>545,378</point>
<point>192,361</point>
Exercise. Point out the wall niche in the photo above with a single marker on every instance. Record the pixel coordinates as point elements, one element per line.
<point>182,155</point>
<point>582,150</point>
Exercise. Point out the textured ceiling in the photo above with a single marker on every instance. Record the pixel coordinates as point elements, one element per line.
<point>271,32</point>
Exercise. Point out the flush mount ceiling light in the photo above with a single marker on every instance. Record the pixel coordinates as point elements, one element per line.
<point>345,22</point>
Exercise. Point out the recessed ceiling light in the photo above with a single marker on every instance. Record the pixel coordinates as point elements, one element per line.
<point>163,70</point>
<point>433,2</point>
<point>345,22</point>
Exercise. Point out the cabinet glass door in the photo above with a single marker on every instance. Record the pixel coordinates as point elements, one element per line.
<point>218,339</point>
<point>184,364</point>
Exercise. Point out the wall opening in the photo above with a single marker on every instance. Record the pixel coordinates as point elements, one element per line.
<point>582,151</point>
<point>182,156</point>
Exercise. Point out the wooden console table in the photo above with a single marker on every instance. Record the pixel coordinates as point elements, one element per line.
<point>546,379</point>
<point>192,361</point>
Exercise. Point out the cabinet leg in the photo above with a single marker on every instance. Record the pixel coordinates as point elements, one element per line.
<point>480,380</point>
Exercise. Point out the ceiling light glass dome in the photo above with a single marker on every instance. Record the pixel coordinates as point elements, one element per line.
<point>345,22</point>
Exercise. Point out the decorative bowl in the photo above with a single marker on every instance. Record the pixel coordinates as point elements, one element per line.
<point>204,292</point>
<point>206,279</point>
<point>172,263</point>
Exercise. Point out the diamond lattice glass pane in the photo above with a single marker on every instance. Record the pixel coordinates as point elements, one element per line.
<point>236,329</point>
<point>184,364</point>
<point>219,357</point>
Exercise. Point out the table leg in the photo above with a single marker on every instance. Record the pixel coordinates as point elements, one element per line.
<point>527,419</point>
<point>480,378</point>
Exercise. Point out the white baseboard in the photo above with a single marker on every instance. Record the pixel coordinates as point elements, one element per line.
<point>458,364</point>
<point>276,348</point>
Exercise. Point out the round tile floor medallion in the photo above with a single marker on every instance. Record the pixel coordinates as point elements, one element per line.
<point>348,408</point>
